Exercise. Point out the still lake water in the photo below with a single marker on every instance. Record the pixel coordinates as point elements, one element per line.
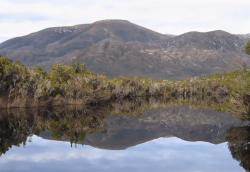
<point>112,139</point>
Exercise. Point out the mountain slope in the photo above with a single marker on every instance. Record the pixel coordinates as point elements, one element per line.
<point>190,54</point>
<point>52,43</point>
<point>247,36</point>
<point>121,48</point>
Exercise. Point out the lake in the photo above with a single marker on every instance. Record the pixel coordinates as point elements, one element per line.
<point>123,137</point>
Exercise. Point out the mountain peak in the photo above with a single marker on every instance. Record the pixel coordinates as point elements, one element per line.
<point>214,32</point>
<point>219,31</point>
<point>110,21</point>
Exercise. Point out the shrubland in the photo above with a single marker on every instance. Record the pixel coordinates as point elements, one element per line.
<point>74,84</point>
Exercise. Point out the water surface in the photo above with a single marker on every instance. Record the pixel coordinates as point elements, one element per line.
<point>177,138</point>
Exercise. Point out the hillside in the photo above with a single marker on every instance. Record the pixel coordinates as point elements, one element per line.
<point>121,48</point>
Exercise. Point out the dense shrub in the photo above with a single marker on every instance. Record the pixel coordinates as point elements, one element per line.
<point>75,84</point>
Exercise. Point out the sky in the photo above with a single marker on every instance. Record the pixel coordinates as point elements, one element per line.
<point>21,17</point>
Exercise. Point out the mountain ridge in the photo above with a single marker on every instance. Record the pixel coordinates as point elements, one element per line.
<point>121,48</point>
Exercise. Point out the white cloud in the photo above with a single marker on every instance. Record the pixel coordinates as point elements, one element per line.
<point>19,17</point>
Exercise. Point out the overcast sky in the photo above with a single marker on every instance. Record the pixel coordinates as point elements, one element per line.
<point>20,17</point>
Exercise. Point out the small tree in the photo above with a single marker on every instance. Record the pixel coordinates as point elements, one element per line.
<point>247,48</point>
<point>79,68</point>
<point>60,74</point>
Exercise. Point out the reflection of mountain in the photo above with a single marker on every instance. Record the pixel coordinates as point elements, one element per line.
<point>103,127</point>
<point>183,122</point>
<point>108,127</point>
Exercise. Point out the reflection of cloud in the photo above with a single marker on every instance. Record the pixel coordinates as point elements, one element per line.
<point>165,16</point>
<point>45,151</point>
<point>158,155</point>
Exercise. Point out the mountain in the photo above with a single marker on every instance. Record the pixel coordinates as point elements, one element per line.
<point>121,48</point>
<point>66,42</point>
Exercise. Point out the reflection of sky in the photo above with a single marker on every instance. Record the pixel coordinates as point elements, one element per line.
<point>165,154</point>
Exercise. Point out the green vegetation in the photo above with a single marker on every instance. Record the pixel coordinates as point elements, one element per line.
<point>66,84</point>
<point>227,89</point>
<point>75,84</point>
<point>248,48</point>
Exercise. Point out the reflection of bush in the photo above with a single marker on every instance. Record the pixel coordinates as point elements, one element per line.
<point>14,130</point>
<point>74,123</point>
<point>239,145</point>
<point>63,124</point>
<point>69,123</point>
